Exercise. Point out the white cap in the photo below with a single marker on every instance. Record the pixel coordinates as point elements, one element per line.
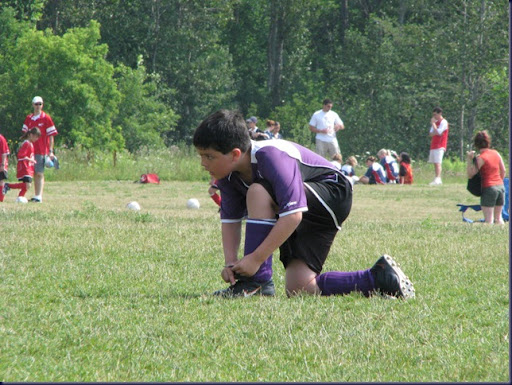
<point>37,99</point>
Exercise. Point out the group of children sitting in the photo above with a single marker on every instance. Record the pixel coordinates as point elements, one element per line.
<point>388,168</point>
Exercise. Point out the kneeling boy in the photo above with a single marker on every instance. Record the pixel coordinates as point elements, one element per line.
<point>292,199</point>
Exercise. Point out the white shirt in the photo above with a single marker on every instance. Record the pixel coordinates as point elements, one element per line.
<point>442,127</point>
<point>325,120</point>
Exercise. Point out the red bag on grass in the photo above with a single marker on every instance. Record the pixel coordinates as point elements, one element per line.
<point>149,178</point>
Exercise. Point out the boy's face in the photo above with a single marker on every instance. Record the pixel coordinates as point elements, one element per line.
<point>436,115</point>
<point>219,165</point>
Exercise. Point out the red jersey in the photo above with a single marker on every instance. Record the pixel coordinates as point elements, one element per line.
<point>44,122</point>
<point>440,141</point>
<point>4,150</point>
<point>490,171</point>
<point>406,172</point>
<point>25,167</point>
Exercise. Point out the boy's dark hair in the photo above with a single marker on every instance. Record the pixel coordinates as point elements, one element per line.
<point>223,131</point>
<point>33,131</point>
<point>437,110</point>
<point>327,101</point>
<point>405,157</point>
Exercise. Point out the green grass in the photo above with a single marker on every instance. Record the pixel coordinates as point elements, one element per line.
<point>94,292</point>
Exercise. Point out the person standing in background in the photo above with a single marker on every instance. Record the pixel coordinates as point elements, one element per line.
<point>325,123</point>
<point>492,170</point>
<point>4,156</point>
<point>438,141</point>
<point>43,146</point>
<point>275,131</point>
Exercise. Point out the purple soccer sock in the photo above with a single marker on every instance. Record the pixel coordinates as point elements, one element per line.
<point>256,230</point>
<point>339,283</point>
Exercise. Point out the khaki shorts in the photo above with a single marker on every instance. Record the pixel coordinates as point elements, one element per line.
<point>327,149</point>
<point>436,156</point>
<point>39,166</point>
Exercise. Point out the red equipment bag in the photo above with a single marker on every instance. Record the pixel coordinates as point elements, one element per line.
<point>149,178</point>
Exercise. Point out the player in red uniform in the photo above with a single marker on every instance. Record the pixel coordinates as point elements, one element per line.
<point>4,155</point>
<point>439,138</point>
<point>26,161</point>
<point>42,147</point>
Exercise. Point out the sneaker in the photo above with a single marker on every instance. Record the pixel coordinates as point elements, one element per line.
<point>390,280</point>
<point>436,182</point>
<point>6,188</point>
<point>35,200</point>
<point>247,288</point>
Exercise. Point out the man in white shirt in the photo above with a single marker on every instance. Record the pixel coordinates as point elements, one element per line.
<point>325,123</point>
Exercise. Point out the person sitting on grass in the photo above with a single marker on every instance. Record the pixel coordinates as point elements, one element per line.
<point>336,160</point>
<point>375,174</point>
<point>389,164</point>
<point>348,169</point>
<point>26,161</point>
<point>405,174</point>
<point>293,199</point>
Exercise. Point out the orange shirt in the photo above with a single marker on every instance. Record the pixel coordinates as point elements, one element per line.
<point>490,171</point>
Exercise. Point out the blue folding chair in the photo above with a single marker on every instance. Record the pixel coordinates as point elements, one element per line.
<point>504,213</point>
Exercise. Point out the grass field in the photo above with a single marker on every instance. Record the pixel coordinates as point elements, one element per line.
<point>94,292</point>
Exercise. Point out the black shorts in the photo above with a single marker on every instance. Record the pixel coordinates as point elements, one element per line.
<point>3,175</point>
<point>313,238</point>
<point>26,179</point>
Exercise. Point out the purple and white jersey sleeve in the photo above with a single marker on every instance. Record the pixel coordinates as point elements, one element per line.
<point>283,172</point>
<point>233,191</point>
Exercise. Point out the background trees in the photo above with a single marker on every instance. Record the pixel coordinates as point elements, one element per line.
<point>145,73</point>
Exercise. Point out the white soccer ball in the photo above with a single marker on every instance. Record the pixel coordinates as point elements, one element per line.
<point>133,206</point>
<point>21,200</point>
<point>193,203</point>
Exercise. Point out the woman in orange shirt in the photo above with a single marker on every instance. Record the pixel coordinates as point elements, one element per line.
<point>492,170</point>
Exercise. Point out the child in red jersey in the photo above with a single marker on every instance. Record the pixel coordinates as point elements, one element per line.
<point>26,161</point>
<point>4,155</point>
<point>406,174</point>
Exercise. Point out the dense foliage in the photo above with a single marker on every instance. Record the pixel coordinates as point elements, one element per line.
<point>125,74</point>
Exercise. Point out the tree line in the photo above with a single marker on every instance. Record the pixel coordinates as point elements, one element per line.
<point>143,73</point>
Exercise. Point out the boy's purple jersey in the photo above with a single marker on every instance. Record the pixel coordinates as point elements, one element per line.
<point>286,166</point>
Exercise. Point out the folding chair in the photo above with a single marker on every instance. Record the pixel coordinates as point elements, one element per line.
<point>505,212</point>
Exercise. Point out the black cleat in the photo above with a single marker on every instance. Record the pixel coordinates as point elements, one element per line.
<point>390,280</point>
<point>247,288</point>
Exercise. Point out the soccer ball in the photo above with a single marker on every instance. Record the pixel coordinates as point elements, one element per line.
<point>193,203</point>
<point>21,200</point>
<point>133,206</point>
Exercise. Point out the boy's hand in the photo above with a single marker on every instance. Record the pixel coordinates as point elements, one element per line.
<point>246,266</point>
<point>228,275</point>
